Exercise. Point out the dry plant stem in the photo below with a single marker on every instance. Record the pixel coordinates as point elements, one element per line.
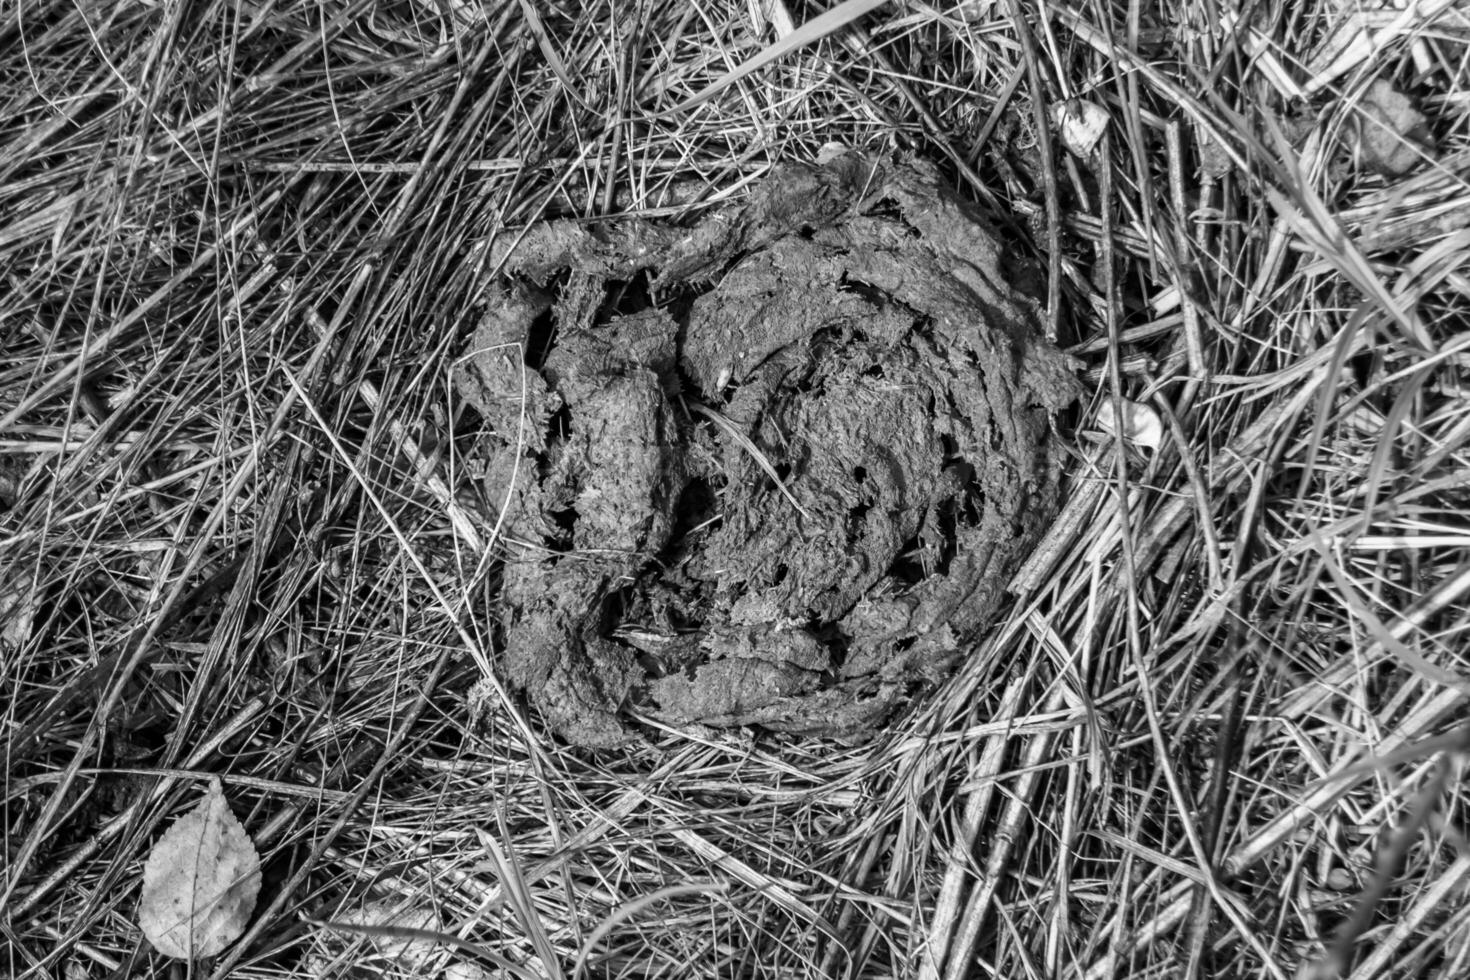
<point>471,646</point>
<point>423,467</point>
<point>1199,371</point>
<point>1138,142</point>
<point>432,936</point>
<point>864,867</point>
<point>1273,834</point>
<point>125,669</point>
<point>1387,866</point>
<point>1331,788</point>
<point>834,19</point>
<point>962,854</point>
<point>267,916</point>
<point>548,48</point>
<point>1131,62</point>
<point>606,926</point>
<point>1157,927</point>
<point>608,819</point>
<point>85,949</point>
<point>1009,835</point>
<point>518,896</point>
<point>225,634</point>
<point>1307,215</point>
<point>1383,637</point>
<point>1204,864</point>
<point>106,669</point>
<point>1002,99</point>
<point>1444,597</point>
<point>1444,892</point>
<point>96,348</point>
<point>1226,752</point>
<point>859,42</point>
<point>1078,514</point>
<point>620,111</point>
<point>1225,473</point>
<point>404,728</point>
<point>1060,959</point>
<point>1048,166</point>
<point>114,671</point>
<point>757,881</point>
<point>1200,488</point>
<point>1228,744</point>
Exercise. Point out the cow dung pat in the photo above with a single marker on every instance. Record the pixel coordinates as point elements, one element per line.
<point>773,469</point>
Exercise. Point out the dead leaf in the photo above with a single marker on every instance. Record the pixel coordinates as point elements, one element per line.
<point>1390,134</point>
<point>1141,424</point>
<point>200,881</point>
<point>1082,125</point>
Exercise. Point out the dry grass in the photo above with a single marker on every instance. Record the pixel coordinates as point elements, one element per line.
<point>241,245</point>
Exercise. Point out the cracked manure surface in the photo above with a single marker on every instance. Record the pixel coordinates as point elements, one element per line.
<point>851,331</point>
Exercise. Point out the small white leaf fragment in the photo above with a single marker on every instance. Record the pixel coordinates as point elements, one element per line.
<point>1081,123</point>
<point>200,881</point>
<point>1141,424</point>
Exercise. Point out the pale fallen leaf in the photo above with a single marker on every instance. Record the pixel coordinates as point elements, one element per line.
<point>1082,125</point>
<point>1141,424</point>
<point>200,881</point>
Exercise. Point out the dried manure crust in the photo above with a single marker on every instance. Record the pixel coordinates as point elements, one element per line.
<point>774,469</point>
